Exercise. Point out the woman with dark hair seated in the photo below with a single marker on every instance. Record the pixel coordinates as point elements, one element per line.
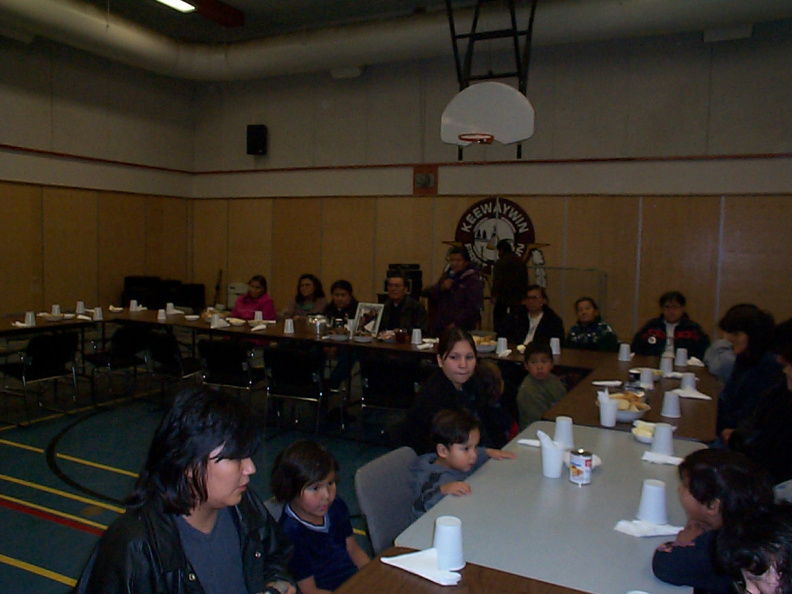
<point>310,298</point>
<point>256,299</point>
<point>765,436</point>
<point>453,386</point>
<point>756,370</point>
<point>192,524</point>
<point>591,333</point>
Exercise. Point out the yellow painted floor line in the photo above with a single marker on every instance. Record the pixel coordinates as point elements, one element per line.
<point>74,459</point>
<point>71,582</point>
<point>54,512</point>
<point>64,494</point>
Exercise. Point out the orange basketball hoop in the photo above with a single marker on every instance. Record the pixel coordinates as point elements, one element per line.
<point>477,137</point>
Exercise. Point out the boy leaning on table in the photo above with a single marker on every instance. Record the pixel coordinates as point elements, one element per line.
<point>457,455</point>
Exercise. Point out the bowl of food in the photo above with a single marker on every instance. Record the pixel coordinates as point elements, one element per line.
<point>363,338</point>
<point>643,431</point>
<point>485,343</point>
<point>631,405</point>
<point>192,317</point>
<point>236,321</point>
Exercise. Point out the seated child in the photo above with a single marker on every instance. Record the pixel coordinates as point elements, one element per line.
<point>540,389</point>
<point>717,488</point>
<point>494,415</point>
<point>758,551</point>
<point>456,435</point>
<point>326,553</point>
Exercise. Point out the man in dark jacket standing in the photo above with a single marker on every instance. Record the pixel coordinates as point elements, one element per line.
<point>509,282</point>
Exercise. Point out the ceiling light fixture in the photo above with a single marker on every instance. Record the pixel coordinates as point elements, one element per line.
<point>179,5</point>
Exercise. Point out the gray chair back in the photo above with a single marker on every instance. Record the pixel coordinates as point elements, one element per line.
<point>383,492</point>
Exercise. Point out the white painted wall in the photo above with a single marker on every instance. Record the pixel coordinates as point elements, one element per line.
<point>654,97</point>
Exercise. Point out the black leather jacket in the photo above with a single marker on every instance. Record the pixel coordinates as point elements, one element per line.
<point>141,553</point>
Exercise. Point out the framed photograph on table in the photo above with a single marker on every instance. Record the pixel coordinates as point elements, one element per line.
<point>367,318</point>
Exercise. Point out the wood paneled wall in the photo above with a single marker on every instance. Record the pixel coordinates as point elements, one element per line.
<point>60,245</point>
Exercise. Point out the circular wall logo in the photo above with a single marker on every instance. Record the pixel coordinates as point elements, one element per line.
<point>487,222</point>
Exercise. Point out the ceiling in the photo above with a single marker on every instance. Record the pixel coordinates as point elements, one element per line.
<point>286,37</point>
<point>264,18</point>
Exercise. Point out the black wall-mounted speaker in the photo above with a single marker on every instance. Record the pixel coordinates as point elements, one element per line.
<point>256,139</point>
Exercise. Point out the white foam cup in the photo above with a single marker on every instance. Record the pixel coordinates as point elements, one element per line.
<point>80,309</point>
<point>671,407</point>
<point>564,433</point>
<point>161,317</point>
<point>624,351</point>
<point>555,346</point>
<point>681,359</point>
<point>666,365</point>
<point>133,306</point>
<point>258,316</point>
<point>663,439</point>
<point>553,460</point>
<point>647,378</point>
<point>688,381</point>
<point>56,310</point>
<point>98,313</point>
<point>170,308</point>
<point>30,318</point>
<point>503,344</point>
<point>416,336</point>
<point>448,543</point>
<point>652,507</point>
<point>288,326</point>
<point>607,412</point>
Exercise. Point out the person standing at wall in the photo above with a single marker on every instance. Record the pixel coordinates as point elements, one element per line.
<point>509,281</point>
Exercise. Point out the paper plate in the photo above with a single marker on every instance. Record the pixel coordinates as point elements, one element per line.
<point>191,317</point>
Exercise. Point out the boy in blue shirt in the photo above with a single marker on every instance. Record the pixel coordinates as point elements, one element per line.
<point>457,455</point>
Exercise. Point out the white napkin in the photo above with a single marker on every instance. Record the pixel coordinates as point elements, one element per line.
<point>695,362</point>
<point>431,340</point>
<point>424,564</point>
<point>695,394</point>
<point>534,443</point>
<point>504,354</point>
<point>425,345</point>
<point>259,327</point>
<point>19,324</point>
<point>673,375</point>
<point>607,383</point>
<point>655,458</point>
<point>84,317</point>
<point>643,528</point>
<point>115,309</point>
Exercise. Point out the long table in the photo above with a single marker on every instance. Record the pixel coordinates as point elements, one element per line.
<point>517,521</point>
<point>698,416</point>
<point>476,579</point>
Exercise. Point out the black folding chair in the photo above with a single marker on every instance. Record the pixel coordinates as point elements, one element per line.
<point>295,374</point>
<point>388,383</point>
<point>127,351</point>
<point>227,364</point>
<point>166,359</point>
<point>46,358</point>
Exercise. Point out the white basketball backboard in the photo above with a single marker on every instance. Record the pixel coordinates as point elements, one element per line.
<point>488,108</point>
